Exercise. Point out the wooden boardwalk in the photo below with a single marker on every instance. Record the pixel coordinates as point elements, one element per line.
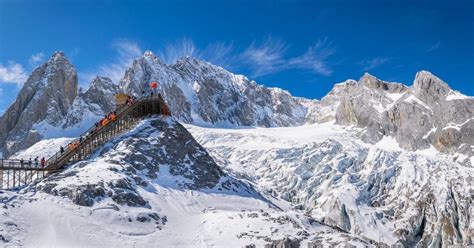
<point>17,173</point>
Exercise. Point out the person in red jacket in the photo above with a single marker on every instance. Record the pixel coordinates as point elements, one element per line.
<point>43,162</point>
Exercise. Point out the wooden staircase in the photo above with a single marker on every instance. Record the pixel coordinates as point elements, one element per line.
<point>16,173</point>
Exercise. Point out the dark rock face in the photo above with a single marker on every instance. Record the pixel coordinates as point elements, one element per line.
<point>46,96</point>
<point>165,146</point>
<point>284,243</point>
<point>82,195</point>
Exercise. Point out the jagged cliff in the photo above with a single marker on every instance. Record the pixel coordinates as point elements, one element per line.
<point>45,97</point>
<point>202,93</point>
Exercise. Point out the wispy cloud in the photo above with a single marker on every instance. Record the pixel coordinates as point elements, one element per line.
<point>13,73</point>
<point>266,57</point>
<point>368,65</point>
<point>218,53</point>
<point>261,58</point>
<point>433,47</point>
<point>127,51</point>
<point>176,50</point>
<point>315,58</point>
<point>271,56</point>
<point>36,59</point>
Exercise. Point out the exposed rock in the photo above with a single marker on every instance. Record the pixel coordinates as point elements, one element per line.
<point>45,97</point>
<point>284,243</point>
<point>428,113</point>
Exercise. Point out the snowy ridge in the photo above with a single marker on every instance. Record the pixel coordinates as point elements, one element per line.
<point>201,93</point>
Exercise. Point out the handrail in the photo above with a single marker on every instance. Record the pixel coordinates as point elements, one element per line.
<point>94,128</point>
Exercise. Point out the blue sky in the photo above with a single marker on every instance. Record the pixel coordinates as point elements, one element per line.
<point>302,46</point>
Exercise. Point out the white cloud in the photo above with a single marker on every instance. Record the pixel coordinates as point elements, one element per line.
<point>434,47</point>
<point>35,59</point>
<point>127,51</point>
<point>373,63</point>
<point>13,73</point>
<point>267,57</point>
<point>315,58</point>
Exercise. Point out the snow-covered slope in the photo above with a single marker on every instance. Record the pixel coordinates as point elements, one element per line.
<point>153,185</point>
<point>378,191</point>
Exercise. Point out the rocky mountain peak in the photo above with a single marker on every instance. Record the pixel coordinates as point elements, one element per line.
<point>89,106</point>
<point>45,98</point>
<point>58,56</point>
<point>148,53</point>
<point>99,88</point>
<point>101,82</point>
<point>151,57</point>
<point>368,77</point>
<point>372,82</point>
<point>429,87</point>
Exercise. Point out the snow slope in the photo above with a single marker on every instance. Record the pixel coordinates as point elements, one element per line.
<point>378,191</point>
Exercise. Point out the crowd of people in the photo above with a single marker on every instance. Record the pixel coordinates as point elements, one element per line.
<point>112,116</point>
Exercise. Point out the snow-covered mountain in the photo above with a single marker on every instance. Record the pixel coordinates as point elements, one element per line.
<point>429,113</point>
<point>372,163</point>
<point>199,92</point>
<point>153,185</point>
<point>91,105</point>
